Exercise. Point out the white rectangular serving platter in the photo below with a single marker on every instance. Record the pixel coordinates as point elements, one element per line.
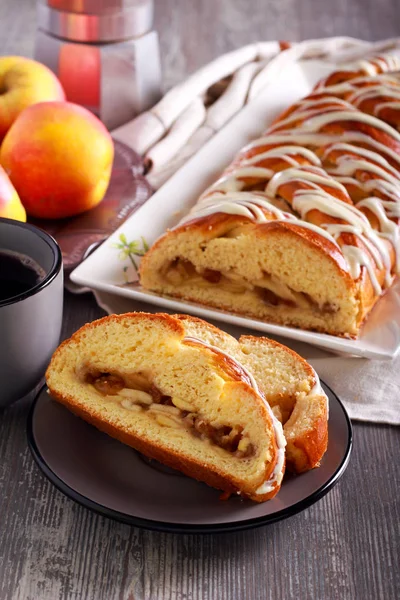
<point>105,271</point>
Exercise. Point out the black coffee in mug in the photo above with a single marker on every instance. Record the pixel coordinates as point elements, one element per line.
<point>18,274</point>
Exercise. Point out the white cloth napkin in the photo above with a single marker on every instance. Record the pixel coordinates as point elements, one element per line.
<point>181,131</point>
<point>369,389</point>
<point>139,133</point>
<point>176,127</point>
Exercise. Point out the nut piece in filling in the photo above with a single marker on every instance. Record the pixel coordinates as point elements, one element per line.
<point>269,289</point>
<point>106,383</point>
<point>167,411</point>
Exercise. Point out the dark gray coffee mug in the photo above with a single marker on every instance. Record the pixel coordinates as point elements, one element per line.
<point>30,323</point>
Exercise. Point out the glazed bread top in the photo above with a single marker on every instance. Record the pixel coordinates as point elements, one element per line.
<point>327,168</point>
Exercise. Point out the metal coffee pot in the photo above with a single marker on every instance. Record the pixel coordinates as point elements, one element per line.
<point>104,52</point>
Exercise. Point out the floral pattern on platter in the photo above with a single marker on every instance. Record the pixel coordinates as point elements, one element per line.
<point>128,251</point>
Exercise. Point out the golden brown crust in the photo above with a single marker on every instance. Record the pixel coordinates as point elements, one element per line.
<point>305,445</point>
<point>174,325</point>
<point>305,451</point>
<point>205,325</point>
<point>318,242</point>
<point>362,288</point>
<point>172,459</point>
<point>274,344</point>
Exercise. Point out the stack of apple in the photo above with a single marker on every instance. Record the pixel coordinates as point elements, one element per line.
<point>55,156</point>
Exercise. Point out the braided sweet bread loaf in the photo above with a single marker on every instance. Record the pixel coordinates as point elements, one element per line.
<point>302,228</point>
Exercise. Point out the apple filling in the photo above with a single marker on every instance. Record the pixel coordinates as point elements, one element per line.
<point>269,288</point>
<point>137,393</point>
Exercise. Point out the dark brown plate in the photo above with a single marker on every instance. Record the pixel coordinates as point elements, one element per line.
<point>118,482</point>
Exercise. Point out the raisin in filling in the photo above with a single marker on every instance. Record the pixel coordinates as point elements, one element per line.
<point>136,392</point>
<point>180,271</point>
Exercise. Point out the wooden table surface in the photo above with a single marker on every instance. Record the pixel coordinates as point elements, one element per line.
<point>344,547</point>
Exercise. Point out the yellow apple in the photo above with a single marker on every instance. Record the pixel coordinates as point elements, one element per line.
<point>10,204</point>
<point>24,82</point>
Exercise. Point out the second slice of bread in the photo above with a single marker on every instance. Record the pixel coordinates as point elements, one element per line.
<point>290,385</point>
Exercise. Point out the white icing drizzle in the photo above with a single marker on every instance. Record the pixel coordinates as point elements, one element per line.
<point>248,205</point>
<point>364,153</point>
<point>316,390</point>
<point>384,187</point>
<point>340,89</point>
<point>386,89</point>
<point>358,258</point>
<point>368,67</point>
<point>336,116</point>
<point>329,99</point>
<point>297,136</point>
<point>311,113</point>
<point>232,182</point>
<point>376,247</point>
<point>377,64</point>
<point>285,152</point>
<point>255,160</point>
<point>380,88</point>
<point>308,175</point>
<point>388,183</point>
<point>349,181</point>
<point>347,165</point>
<point>277,474</point>
<point>239,203</point>
<point>216,196</point>
<point>392,61</point>
<point>242,208</point>
<point>356,223</point>
<point>363,82</point>
<point>361,138</point>
<point>389,104</point>
<point>388,228</point>
<point>306,200</point>
<point>338,229</point>
<point>387,62</point>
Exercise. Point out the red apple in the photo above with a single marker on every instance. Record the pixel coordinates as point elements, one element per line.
<point>58,156</point>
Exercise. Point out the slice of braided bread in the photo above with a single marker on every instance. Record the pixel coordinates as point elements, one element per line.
<point>303,227</point>
<point>141,379</point>
<point>185,393</point>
